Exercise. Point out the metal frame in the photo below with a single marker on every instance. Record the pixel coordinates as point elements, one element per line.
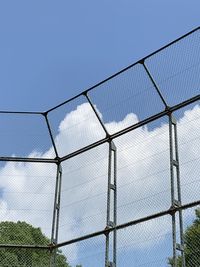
<point>111,226</point>
<point>111,217</point>
<point>56,213</point>
<point>175,188</point>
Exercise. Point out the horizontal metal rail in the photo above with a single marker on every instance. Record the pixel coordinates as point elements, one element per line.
<point>106,139</point>
<point>123,70</point>
<point>132,127</point>
<point>107,230</point>
<point>36,160</point>
<point>105,80</point>
<point>21,112</point>
<point>131,223</point>
<point>24,246</point>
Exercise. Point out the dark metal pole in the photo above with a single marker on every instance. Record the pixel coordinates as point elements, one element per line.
<point>50,134</point>
<point>56,213</point>
<point>108,206</point>
<point>115,207</point>
<point>33,160</point>
<point>111,221</point>
<point>179,195</point>
<point>154,83</point>
<point>175,172</point>
<point>172,190</point>
<point>96,113</point>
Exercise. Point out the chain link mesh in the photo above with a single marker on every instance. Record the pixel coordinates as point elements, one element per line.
<point>58,198</point>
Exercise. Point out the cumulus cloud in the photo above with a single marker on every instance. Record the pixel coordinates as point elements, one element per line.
<point>27,189</point>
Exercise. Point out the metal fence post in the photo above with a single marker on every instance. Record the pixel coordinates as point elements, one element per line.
<point>175,189</point>
<point>56,212</point>
<point>111,220</point>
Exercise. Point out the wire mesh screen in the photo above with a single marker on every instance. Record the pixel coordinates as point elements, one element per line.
<point>143,171</point>
<point>27,194</point>
<point>176,69</point>
<point>192,236</point>
<point>110,177</point>
<point>145,244</point>
<point>84,193</point>
<point>16,257</point>
<point>189,150</point>
<point>24,135</point>
<point>126,98</point>
<point>74,125</point>
<point>90,252</point>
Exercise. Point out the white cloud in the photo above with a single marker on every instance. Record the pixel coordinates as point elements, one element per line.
<point>143,177</point>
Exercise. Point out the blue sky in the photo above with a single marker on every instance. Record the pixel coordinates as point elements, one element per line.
<point>50,51</point>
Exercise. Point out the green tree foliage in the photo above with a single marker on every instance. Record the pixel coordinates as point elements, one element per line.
<point>22,233</point>
<point>192,244</point>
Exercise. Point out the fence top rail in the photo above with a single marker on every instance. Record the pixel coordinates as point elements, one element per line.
<point>108,137</point>
<point>123,70</point>
<point>101,82</point>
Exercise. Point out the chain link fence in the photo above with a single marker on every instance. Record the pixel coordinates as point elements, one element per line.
<point>110,177</point>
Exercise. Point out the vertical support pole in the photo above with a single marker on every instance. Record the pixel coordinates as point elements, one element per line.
<point>56,213</point>
<point>172,190</point>
<point>115,208</point>
<point>181,247</point>
<point>175,189</point>
<point>111,220</point>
